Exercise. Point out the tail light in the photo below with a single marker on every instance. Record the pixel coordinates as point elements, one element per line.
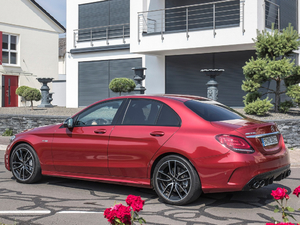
<point>235,143</point>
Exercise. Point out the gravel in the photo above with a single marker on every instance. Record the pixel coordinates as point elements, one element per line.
<point>293,114</point>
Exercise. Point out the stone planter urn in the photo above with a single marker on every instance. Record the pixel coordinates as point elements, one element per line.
<point>46,97</point>
<point>212,84</point>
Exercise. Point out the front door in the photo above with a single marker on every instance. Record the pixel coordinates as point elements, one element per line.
<point>10,85</point>
<point>83,149</point>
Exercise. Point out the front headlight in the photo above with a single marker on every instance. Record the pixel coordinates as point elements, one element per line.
<point>12,138</point>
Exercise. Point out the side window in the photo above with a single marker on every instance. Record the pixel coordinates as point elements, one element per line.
<point>142,112</point>
<point>168,117</point>
<point>101,114</point>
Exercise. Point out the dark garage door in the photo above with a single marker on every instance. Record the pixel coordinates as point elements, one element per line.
<point>94,78</point>
<point>183,75</point>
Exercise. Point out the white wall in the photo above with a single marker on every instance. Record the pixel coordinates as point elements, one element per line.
<point>59,95</point>
<point>155,74</point>
<point>37,42</point>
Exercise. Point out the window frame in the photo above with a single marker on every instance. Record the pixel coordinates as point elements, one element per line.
<point>123,113</point>
<point>9,50</point>
<point>116,116</point>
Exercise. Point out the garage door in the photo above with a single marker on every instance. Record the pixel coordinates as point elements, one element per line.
<point>94,78</point>
<point>183,75</point>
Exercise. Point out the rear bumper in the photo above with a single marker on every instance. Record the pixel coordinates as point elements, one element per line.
<point>236,172</point>
<point>267,178</point>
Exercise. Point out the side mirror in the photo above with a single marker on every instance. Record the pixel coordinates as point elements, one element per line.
<point>69,123</point>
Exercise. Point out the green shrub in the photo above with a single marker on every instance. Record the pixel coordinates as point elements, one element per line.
<point>251,97</point>
<point>258,107</point>
<point>8,132</point>
<point>293,92</point>
<point>119,85</point>
<point>285,106</point>
<point>20,90</point>
<point>32,94</point>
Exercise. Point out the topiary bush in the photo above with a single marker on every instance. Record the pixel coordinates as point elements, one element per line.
<point>32,94</point>
<point>20,90</point>
<point>285,106</point>
<point>273,63</point>
<point>251,97</point>
<point>258,107</point>
<point>293,92</point>
<point>120,85</point>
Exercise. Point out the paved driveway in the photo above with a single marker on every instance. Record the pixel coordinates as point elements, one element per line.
<point>66,201</point>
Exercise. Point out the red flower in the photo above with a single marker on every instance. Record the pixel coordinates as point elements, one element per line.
<point>297,191</point>
<point>118,211</point>
<point>279,193</point>
<point>135,202</point>
<point>287,196</point>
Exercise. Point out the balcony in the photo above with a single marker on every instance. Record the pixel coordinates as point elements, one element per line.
<point>206,16</point>
<point>207,27</point>
<point>101,36</point>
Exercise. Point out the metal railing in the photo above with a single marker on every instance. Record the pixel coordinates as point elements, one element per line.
<point>210,15</point>
<point>101,33</point>
<point>272,15</point>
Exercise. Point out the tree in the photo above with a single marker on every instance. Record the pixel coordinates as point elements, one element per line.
<point>20,90</point>
<point>120,85</point>
<point>273,62</point>
<point>32,94</point>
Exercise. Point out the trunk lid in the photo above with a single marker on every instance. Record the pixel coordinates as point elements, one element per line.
<point>263,136</point>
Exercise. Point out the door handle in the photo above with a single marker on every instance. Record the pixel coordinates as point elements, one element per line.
<point>100,131</point>
<point>157,133</point>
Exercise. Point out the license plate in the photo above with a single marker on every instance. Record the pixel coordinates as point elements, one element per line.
<point>271,140</point>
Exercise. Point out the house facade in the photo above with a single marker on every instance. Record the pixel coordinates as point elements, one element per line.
<point>29,47</point>
<point>173,39</point>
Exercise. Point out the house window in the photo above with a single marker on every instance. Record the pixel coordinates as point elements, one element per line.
<point>104,19</point>
<point>9,49</point>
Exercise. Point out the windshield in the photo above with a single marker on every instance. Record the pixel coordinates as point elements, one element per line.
<point>213,111</point>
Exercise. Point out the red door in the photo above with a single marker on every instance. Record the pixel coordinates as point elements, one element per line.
<point>10,86</point>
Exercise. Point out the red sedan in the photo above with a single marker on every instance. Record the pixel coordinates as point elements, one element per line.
<point>179,145</point>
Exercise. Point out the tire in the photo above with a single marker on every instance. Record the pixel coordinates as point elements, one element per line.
<point>25,165</point>
<point>175,180</point>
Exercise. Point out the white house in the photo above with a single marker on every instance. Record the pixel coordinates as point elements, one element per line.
<point>29,47</point>
<point>59,84</point>
<point>173,39</point>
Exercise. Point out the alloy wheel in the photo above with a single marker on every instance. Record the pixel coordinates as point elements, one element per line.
<point>173,180</point>
<point>22,164</point>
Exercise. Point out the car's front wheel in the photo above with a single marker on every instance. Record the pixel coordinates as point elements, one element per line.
<point>25,164</point>
<point>176,181</point>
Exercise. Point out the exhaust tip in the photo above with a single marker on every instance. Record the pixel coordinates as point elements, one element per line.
<point>255,185</point>
<point>262,183</point>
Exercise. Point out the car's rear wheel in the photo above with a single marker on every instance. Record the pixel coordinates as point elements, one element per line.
<point>176,181</point>
<point>25,164</point>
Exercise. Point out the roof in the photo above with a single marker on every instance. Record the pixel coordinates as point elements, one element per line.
<point>48,14</point>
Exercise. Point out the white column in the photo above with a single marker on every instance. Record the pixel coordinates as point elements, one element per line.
<point>155,74</point>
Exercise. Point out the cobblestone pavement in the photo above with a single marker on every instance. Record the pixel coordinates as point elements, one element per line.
<point>67,201</point>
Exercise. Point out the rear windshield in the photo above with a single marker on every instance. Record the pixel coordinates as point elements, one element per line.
<point>212,111</point>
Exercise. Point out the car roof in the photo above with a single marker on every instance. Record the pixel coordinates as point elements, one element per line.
<point>178,97</point>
